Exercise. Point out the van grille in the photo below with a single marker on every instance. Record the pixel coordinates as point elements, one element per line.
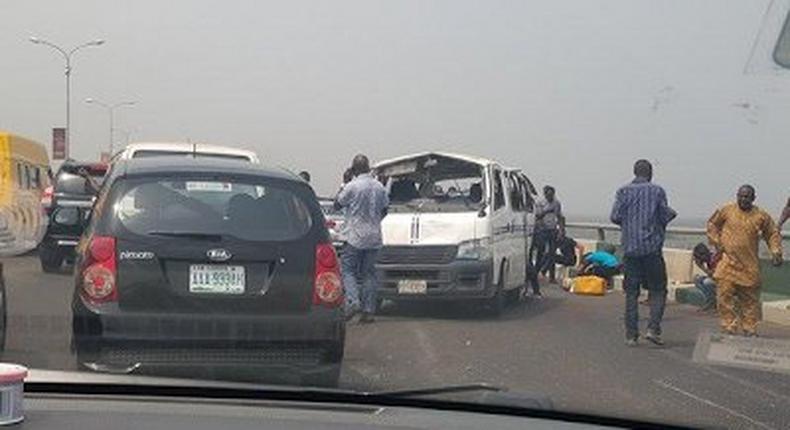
<point>429,254</point>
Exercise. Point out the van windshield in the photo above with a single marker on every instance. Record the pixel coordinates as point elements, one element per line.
<point>435,184</point>
<point>215,208</point>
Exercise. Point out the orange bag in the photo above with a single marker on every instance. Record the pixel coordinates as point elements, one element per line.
<point>589,285</point>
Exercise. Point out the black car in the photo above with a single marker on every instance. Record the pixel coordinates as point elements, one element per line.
<point>212,268</point>
<point>68,203</point>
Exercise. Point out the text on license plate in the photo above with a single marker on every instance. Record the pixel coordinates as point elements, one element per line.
<point>412,287</point>
<point>216,279</point>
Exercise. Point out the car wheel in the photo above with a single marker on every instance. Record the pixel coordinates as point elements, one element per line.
<point>51,259</point>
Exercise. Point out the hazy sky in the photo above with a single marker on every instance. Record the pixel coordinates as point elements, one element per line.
<point>571,91</point>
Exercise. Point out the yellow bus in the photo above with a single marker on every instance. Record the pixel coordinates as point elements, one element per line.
<point>24,175</point>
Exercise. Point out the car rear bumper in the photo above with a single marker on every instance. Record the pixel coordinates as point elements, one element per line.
<point>459,279</point>
<point>106,339</point>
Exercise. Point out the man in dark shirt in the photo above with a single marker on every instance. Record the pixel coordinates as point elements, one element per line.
<point>642,212</point>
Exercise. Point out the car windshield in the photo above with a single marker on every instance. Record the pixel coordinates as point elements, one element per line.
<point>144,153</point>
<point>574,205</point>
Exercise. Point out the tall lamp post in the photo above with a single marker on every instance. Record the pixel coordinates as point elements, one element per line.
<point>67,55</point>
<point>111,112</point>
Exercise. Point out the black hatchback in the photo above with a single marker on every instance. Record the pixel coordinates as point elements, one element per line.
<point>213,268</point>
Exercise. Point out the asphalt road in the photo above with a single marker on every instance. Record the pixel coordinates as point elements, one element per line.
<point>566,347</point>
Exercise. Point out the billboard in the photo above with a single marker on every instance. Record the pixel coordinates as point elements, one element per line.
<point>59,150</point>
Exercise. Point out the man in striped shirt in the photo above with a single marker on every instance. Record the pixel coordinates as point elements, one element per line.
<point>642,212</point>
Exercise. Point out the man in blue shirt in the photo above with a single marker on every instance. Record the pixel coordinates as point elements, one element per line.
<point>642,212</point>
<point>601,263</point>
<point>364,201</point>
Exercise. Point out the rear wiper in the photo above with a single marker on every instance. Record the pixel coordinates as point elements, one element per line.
<point>188,234</point>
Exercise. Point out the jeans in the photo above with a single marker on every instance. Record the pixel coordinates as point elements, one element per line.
<point>546,245</point>
<point>707,286</point>
<point>532,278</point>
<point>648,272</point>
<point>359,278</point>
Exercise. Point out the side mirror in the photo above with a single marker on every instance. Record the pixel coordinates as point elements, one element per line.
<point>482,212</point>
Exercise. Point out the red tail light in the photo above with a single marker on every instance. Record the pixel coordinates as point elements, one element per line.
<point>99,275</point>
<point>328,287</point>
<point>46,197</point>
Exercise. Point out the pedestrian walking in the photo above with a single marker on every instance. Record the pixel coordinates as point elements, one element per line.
<point>707,262</point>
<point>642,212</point>
<point>365,202</point>
<point>548,222</point>
<point>735,230</point>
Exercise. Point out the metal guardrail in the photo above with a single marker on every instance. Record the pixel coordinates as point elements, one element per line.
<point>602,228</point>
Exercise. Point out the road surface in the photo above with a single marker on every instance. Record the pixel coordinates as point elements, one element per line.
<point>566,347</point>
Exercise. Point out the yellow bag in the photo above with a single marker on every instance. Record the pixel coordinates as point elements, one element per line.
<point>589,285</point>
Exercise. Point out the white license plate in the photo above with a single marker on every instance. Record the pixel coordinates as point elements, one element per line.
<point>216,279</point>
<point>412,287</point>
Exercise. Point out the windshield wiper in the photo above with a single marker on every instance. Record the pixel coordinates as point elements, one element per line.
<point>187,234</point>
<point>446,389</point>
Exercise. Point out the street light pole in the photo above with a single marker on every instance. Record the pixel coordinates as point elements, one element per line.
<point>67,55</point>
<point>111,112</point>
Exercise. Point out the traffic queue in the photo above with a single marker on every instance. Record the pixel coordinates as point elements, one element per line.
<point>196,259</point>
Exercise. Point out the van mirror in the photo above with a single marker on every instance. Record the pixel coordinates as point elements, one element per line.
<point>482,212</point>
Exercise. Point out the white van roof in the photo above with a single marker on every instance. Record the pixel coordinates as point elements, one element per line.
<point>200,148</point>
<point>467,158</point>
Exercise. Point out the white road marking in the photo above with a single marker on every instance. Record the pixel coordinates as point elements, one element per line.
<point>705,401</point>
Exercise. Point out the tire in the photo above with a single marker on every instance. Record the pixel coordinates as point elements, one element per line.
<point>51,259</point>
<point>496,304</point>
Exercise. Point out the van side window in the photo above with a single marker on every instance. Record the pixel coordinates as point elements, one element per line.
<point>19,178</point>
<point>499,191</point>
<point>516,194</point>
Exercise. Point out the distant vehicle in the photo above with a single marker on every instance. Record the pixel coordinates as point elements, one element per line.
<point>334,222</point>
<point>457,229</point>
<point>24,168</point>
<point>208,265</point>
<point>68,203</point>
<point>185,149</point>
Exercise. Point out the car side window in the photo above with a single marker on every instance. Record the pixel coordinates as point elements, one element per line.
<point>499,190</point>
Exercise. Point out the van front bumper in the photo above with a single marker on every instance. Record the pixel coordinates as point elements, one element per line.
<point>460,279</point>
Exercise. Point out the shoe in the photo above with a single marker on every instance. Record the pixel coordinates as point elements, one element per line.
<point>537,295</point>
<point>366,318</point>
<point>654,338</point>
<point>633,342</point>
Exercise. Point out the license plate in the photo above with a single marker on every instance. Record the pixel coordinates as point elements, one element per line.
<point>216,279</point>
<point>412,287</point>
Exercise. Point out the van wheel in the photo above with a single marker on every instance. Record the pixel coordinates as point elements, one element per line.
<point>51,259</point>
<point>496,304</point>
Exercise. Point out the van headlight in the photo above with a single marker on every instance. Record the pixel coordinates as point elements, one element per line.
<point>477,249</point>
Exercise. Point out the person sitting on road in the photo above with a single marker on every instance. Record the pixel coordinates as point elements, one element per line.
<point>602,263</point>
<point>706,261</point>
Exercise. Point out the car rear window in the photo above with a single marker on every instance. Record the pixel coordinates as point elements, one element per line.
<point>246,211</point>
<point>153,153</point>
<point>72,183</point>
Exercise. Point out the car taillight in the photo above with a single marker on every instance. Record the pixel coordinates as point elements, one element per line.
<point>46,197</point>
<point>328,288</point>
<point>100,270</point>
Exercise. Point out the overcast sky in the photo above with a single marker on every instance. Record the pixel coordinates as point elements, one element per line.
<point>571,91</point>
